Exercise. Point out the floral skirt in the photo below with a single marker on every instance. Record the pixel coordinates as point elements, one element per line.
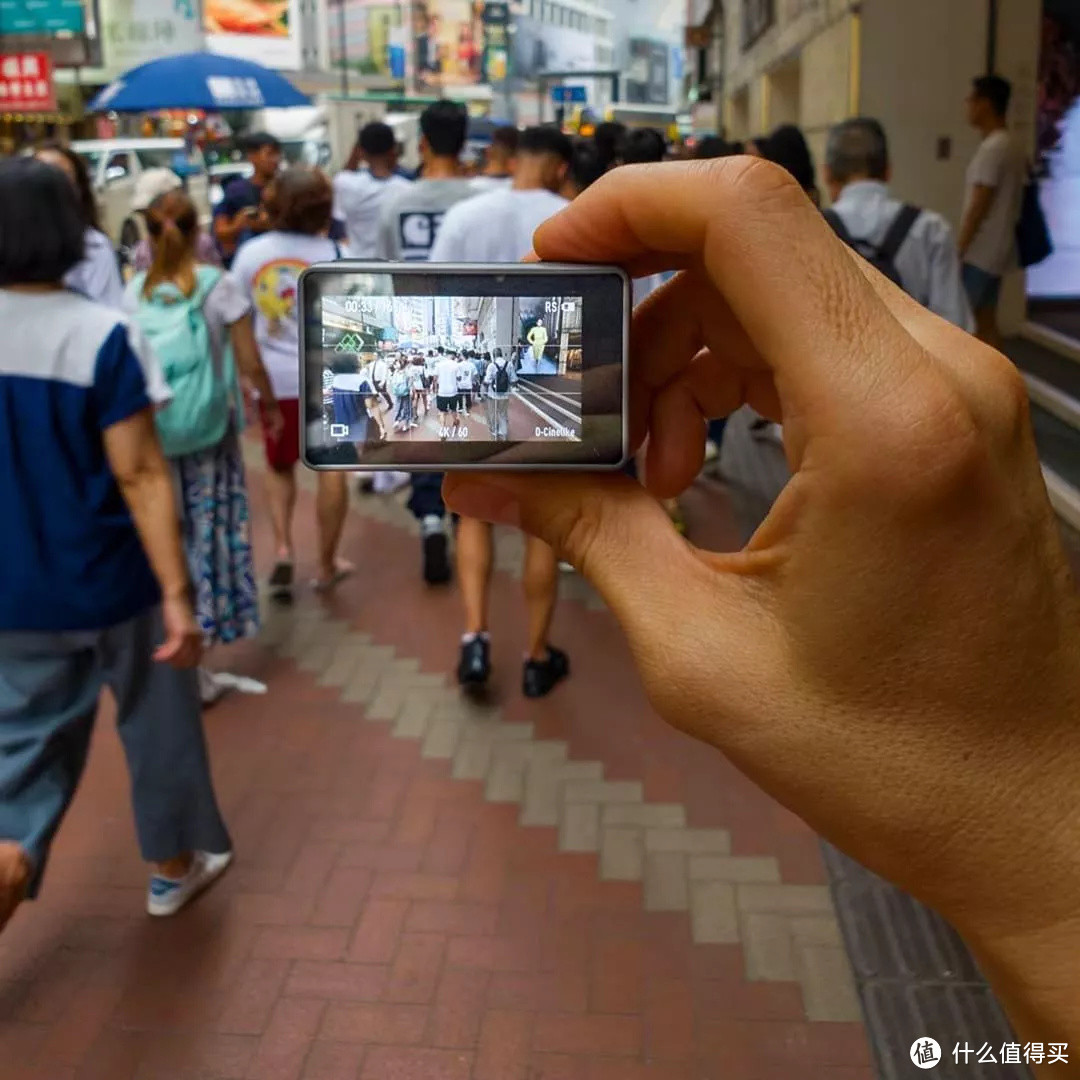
<point>217,538</point>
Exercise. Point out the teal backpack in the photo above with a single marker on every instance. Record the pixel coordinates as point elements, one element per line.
<point>202,387</point>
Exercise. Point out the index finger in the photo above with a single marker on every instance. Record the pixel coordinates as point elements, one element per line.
<point>805,306</point>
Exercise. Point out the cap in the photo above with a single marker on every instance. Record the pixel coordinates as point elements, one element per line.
<point>151,184</point>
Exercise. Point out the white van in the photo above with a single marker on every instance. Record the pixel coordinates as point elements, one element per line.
<point>115,166</point>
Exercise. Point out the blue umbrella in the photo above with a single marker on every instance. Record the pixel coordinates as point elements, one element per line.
<point>200,80</point>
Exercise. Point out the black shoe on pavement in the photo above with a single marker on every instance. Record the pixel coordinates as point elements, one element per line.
<point>542,676</point>
<point>474,669</point>
<point>436,560</point>
<point>366,486</point>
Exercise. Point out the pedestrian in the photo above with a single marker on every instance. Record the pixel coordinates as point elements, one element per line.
<point>499,381</point>
<point>995,190</point>
<point>359,196</point>
<point>199,324</point>
<point>447,401</point>
<point>608,139</point>
<point>241,214</point>
<point>896,655</point>
<point>151,184</point>
<point>402,392</point>
<point>348,402</point>
<point>268,267</point>
<point>914,248</point>
<point>418,390</point>
<point>498,227</point>
<point>466,376</point>
<point>643,146</point>
<point>410,223</point>
<point>97,275</point>
<point>787,147</point>
<point>94,586</point>
<point>500,160</point>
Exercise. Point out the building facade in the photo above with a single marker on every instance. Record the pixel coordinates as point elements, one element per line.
<point>909,63</point>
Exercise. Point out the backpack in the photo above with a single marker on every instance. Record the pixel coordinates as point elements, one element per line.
<point>880,256</point>
<point>1033,243</point>
<point>502,378</point>
<point>399,384</point>
<point>176,328</point>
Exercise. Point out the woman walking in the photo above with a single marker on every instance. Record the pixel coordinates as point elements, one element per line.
<point>198,320</point>
<point>97,274</point>
<point>300,205</point>
<point>94,587</point>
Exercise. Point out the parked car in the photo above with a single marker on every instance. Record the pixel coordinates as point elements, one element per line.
<point>116,164</point>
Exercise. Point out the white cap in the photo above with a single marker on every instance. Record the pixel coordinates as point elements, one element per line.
<point>151,184</point>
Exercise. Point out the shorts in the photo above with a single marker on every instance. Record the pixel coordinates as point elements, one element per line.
<point>283,453</point>
<point>982,287</point>
<point>447,404</point>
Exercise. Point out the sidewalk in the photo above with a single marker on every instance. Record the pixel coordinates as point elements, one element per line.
<point>563,890</point>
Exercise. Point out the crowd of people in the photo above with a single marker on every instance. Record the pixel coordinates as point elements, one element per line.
<point>390,398</point>
<point>127,530</point>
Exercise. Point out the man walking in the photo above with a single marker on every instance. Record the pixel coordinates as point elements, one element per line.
<point>913,246</point>
<point>409,225</point>
<point>995,189</point>
<point>240,214</point>
<point>498,228</point>
<point>359,196</point>
<point>498,382</point>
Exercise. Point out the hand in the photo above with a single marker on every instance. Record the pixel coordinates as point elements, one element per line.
<point>895,655</point>
<point>183,644</point>
<point>273,423</point>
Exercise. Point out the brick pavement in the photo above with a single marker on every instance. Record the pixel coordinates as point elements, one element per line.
<point>428,888</point>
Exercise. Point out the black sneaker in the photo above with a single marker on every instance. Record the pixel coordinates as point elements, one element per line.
<point>436,560</point>
<point>474,669</point>
<point>542,676</point>
<point>366,486</point>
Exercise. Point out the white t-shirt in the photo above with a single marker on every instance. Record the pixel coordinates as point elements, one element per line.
<point>416,376</point>
<point>359,198</point>
<point>494,228</point>
<point>446,376</point>
<point>268,269</point>
<point>492,372</point>
<point>999,163</point>
<point>97,277</point>
<point>465,374</point>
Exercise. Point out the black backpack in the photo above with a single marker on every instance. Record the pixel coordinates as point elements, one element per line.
<point>502,378</point>
<point>881,256</point>
<point>1033,241</point>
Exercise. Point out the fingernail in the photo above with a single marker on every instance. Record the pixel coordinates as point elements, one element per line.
<point>484,501</point>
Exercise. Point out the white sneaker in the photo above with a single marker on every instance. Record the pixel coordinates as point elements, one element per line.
<point>166,896</point>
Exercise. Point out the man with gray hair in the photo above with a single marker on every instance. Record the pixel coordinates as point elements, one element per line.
<point>913,247</point>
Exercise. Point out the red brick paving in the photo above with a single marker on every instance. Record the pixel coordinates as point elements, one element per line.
<point>382,922</point>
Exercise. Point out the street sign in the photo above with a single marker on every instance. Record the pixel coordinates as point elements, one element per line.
<point>569,95</point>
<point>26,83</point>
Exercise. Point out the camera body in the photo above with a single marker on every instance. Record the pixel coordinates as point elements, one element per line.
<point>421,367</point>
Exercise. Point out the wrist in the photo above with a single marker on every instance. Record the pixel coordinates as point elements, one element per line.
<point>1036,975</point>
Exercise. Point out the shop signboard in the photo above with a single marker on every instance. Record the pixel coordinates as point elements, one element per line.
<point>133,32</point>
<point>42,17</point>
<point>266,31</point>
<point>26,83</point>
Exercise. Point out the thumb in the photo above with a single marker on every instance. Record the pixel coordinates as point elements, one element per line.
<point>607,525</point>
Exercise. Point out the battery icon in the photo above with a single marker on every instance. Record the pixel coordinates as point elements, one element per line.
<point>339,431</point>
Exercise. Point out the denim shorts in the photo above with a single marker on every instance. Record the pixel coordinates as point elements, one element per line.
<point>982,287</point>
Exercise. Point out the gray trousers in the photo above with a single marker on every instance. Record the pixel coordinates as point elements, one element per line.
<point>49,689</point>
<point>499,418</point>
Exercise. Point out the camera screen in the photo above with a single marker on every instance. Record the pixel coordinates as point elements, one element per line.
<point>451,369</point>
<point>429,368</point>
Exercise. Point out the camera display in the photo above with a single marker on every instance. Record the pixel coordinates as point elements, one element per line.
<point>427,368</point>
<point>413,369</point>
